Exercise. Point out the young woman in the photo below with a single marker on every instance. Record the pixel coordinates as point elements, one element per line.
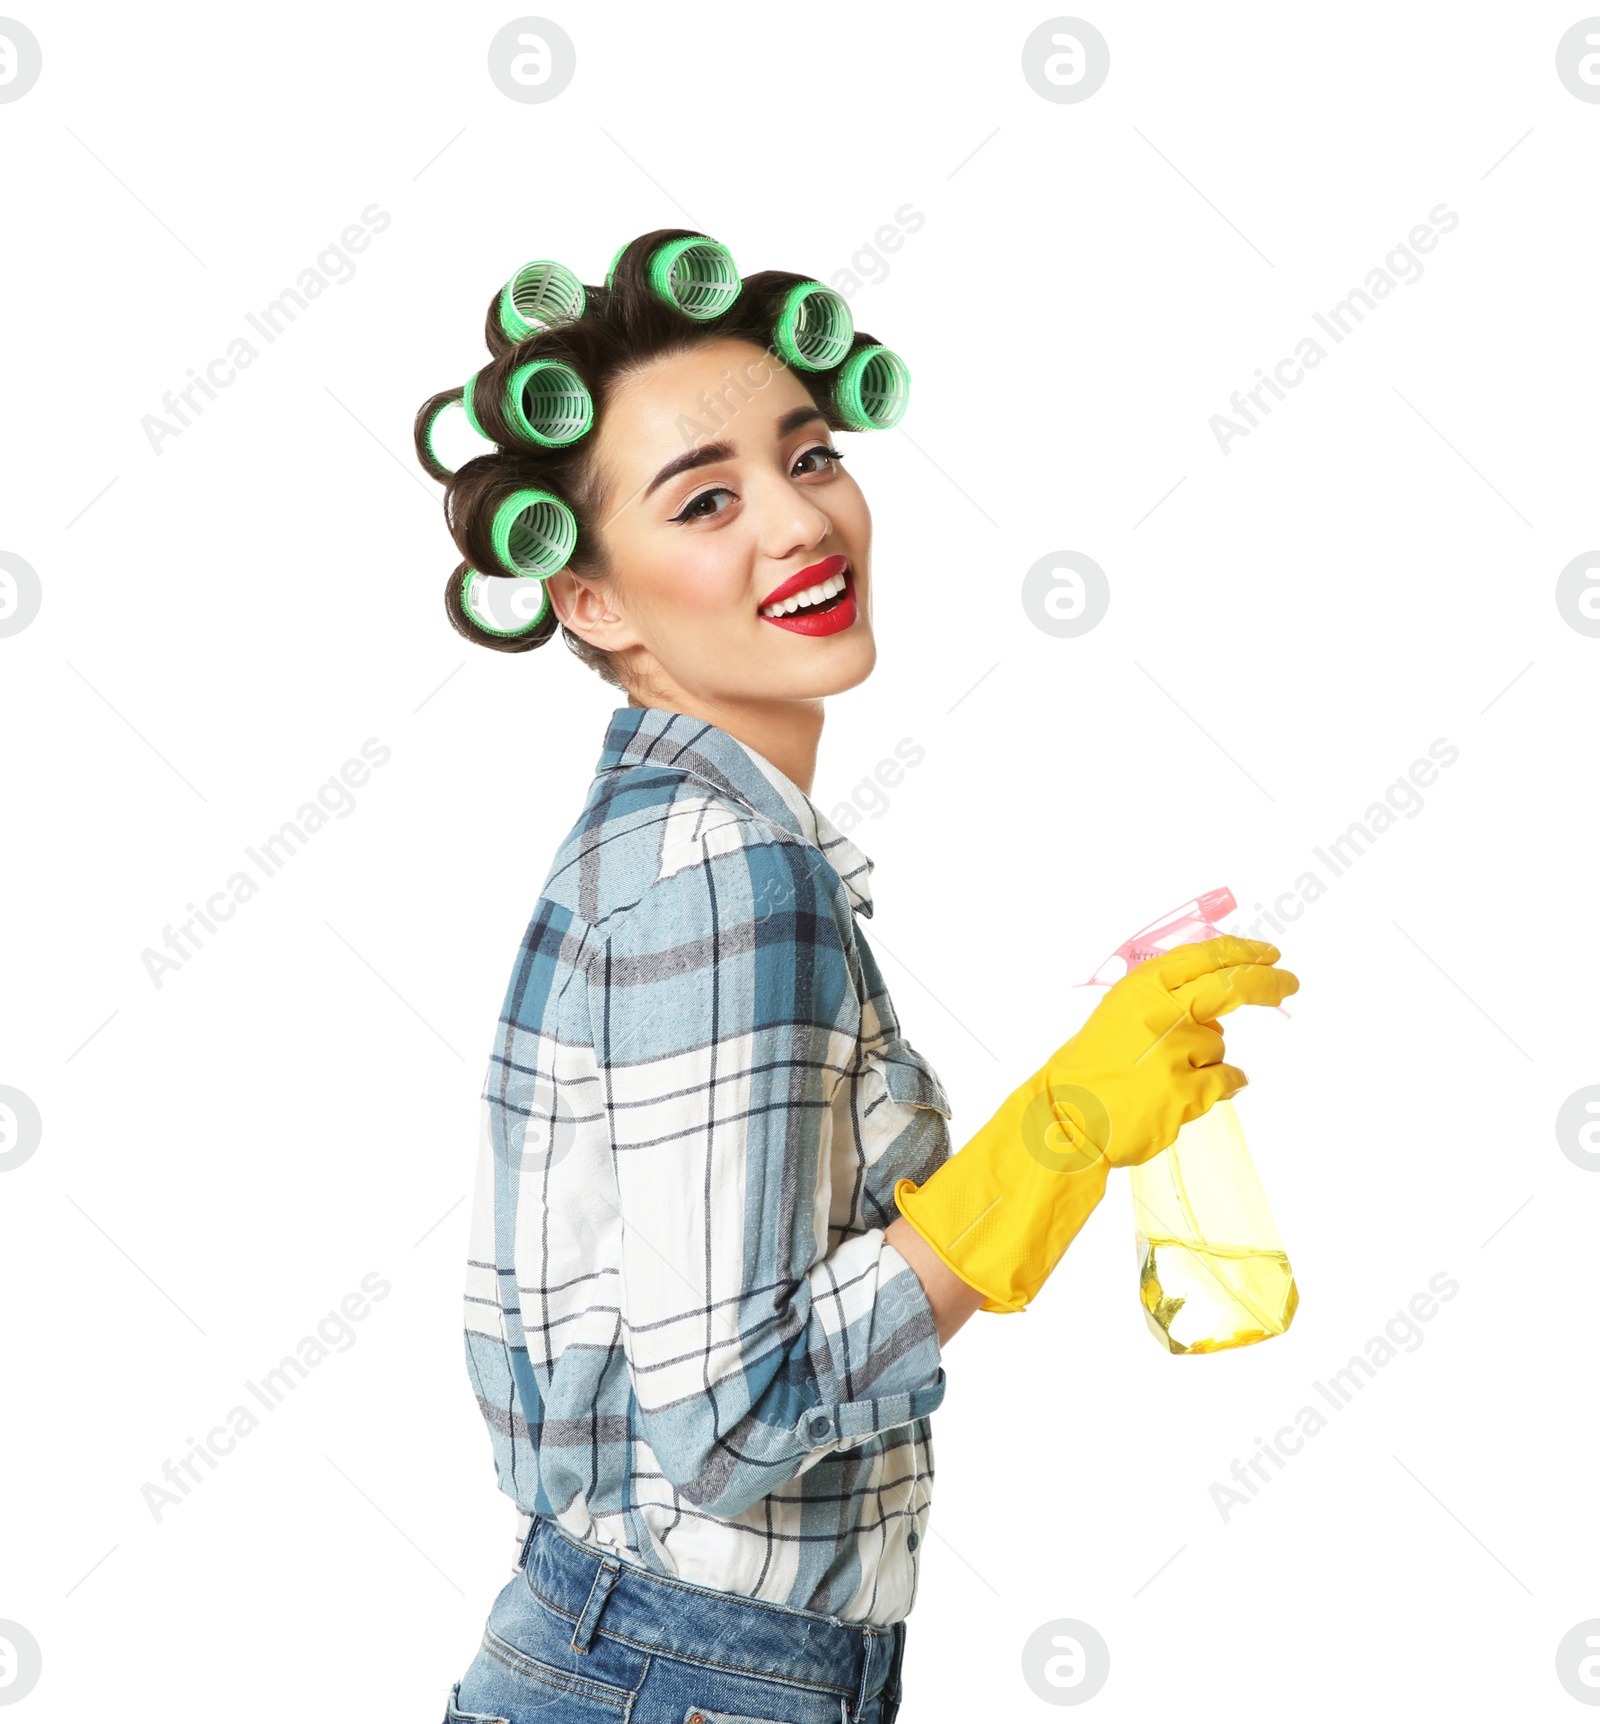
<point>719,1240</point>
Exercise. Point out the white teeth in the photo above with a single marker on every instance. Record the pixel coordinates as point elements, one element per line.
<point>811,596</point>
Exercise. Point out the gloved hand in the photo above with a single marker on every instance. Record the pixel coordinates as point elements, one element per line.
<point>1001,1211</point>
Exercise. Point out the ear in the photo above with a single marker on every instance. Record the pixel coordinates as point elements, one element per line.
<point>590,610</point>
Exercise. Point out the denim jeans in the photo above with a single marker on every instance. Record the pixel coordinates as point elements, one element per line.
<point>578,1636</point>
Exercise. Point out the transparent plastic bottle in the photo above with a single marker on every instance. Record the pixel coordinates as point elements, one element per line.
<point>1213,1273</point>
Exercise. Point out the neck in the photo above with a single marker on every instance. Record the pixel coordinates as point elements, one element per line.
<point>786,732</point>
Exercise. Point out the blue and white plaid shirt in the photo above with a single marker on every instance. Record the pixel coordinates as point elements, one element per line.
<point>690,1340</point>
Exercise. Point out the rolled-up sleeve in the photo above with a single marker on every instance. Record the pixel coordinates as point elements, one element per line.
<point>725,1009</point>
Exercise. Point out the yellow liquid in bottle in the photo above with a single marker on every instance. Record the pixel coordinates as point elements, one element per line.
<point>1224,1296</point>
<point>1213,1273</point>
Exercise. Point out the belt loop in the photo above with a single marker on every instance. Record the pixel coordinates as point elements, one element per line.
<point>527,1543</point>
<point>605,1578</point>
<point>868,1662</point>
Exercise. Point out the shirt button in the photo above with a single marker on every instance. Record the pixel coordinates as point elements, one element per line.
<point>911,1542</point>
<point>820,1425</point>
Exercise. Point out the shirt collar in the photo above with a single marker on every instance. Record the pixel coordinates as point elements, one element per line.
<point>649,735</point>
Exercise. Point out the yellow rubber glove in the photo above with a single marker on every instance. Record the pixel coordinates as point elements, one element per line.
<point>1001,1211</point>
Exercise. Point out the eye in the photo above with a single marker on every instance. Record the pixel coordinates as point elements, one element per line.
<point>691,511</point>
<point>831,456</point>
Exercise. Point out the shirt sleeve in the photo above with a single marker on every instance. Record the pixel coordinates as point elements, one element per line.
<point>725,1011</point>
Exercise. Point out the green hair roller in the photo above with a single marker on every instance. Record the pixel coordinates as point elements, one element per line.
<point>545,402</point>
<point>814,328</point>
<point>469,410</point>
<point>500,606</point>
<point>695,274</point>
<point>533,533</point>
<point>427,435</point>
<point>548,402</point>
<point>440,469</point>
<point>539,296</point>
<point>873,388</point>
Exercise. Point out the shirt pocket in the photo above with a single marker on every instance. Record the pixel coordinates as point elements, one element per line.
<point>907,1077</point>
<point>900,1112</point>
<point>891,1124</point>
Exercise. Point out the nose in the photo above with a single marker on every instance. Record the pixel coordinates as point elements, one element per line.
<point>798,523</point>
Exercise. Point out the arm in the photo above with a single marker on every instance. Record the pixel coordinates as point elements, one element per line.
<point>724,1014</point>
<point>951,1299</point>
<point>1001,1212</point>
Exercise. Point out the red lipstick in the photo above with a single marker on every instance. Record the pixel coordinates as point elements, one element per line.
<point>841,611</point>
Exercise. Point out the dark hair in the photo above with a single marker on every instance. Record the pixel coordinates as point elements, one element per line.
<point>622,328</point>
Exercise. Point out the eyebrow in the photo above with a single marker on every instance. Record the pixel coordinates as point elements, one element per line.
<point>706,453</point>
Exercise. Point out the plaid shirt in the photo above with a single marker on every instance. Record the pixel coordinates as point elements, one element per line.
<point>688,1336</point>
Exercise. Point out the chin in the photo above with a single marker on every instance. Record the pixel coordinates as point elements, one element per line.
<point>851,670</point>
<point>866,659</point>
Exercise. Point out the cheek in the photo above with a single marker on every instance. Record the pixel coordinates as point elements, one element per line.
<point>701,577</point>
<point>851,515</point>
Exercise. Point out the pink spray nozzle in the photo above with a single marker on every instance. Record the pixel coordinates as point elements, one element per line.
<point>1218,903</point>
<point>1193,920</point>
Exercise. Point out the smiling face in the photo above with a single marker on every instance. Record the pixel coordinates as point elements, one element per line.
<point>721,501</point>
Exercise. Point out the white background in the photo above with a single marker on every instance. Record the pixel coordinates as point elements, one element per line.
<point>224,623</point>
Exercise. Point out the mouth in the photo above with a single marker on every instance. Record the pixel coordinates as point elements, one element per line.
<point>820,600</point>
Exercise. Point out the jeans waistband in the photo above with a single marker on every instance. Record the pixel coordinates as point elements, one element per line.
<point>599,1591</point>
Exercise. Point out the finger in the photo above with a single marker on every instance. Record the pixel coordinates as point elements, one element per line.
<point>1212,1084</point>
<point>1241,985</point>
<point>1205,1045</point>
<point>1199,957</point>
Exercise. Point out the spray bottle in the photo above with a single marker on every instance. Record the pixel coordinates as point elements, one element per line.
<point>1213,1273</point>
